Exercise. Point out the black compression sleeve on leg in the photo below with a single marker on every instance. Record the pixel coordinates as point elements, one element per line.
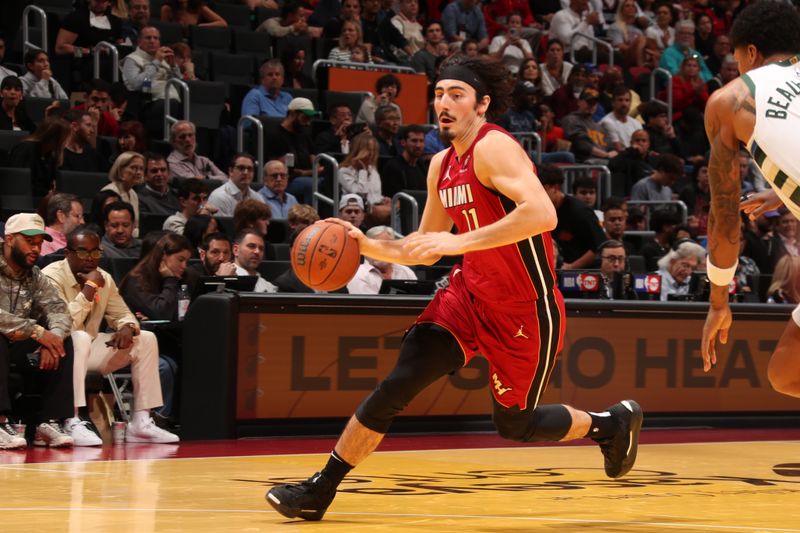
<point>545,423</point>
<point>428,352</point>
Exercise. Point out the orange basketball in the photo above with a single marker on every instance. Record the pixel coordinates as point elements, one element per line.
<point>325,257</point>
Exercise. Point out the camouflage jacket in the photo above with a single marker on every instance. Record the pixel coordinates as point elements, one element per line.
<point>26,299</point>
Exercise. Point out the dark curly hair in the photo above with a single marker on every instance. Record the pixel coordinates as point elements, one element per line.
<point>783,22</point>
<point>494,75</point>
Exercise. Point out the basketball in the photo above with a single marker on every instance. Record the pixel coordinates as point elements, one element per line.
<point>325,257</point>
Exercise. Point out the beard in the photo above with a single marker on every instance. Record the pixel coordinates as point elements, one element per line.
<point>20,258</point>
<point>446,135</point>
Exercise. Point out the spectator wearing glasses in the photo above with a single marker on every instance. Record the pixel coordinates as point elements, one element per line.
<point>237,188</point>
<point>64,214</point>
<point>676,268</point>
<point>193,200</point>
<point>673,56</point>
<point>276,178</point>
<point>92,296</point>
<point>613,263</point>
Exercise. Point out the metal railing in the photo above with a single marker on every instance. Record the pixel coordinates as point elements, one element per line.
<point>260,146</point>
<point>603,179</point>
<point>357,66</point>
<point>653,75</point>
<point>396,219</point>
<point>684,211</point>
<point>169,120</point>
<point>317,196</point>
<point>98,48</point>
<point>595,43</point>
<point>26,43</point>
<point>531,142</point>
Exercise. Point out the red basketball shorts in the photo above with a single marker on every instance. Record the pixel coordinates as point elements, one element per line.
<point>520,343</point>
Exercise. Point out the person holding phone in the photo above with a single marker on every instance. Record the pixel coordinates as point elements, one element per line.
<point>510,47</point>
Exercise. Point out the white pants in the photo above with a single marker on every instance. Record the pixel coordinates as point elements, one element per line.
<point>142,355</point>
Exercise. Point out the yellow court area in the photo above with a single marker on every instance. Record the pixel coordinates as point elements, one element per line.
<point>702,487</point>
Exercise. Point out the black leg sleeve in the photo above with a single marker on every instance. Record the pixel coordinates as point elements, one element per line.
<point>545,423</point>
<point>428,352</point>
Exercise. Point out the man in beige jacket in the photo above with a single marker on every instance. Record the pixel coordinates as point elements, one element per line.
<point>91,295</point>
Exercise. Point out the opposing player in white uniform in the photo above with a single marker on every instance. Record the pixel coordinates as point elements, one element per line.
<point>762,110</point>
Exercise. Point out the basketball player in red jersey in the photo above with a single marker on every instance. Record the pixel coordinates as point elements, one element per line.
<point>502,302</point>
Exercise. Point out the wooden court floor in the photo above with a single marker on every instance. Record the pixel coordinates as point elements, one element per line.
<point>682,487</point>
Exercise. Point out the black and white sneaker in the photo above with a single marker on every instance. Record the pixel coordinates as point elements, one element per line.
<point>620,449</point>
<point>307,500</point>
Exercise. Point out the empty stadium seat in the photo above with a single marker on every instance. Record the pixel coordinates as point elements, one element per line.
<point>233,68</point>
<point>8,140</point>
<point>15,181</point>
<point>236,15</point>
<point>270,270</point>
<point>120,266</point>
<point>278,230</point>
<point>253,43</point>
<point>151,222</point>
<point>211,39</point>
<point>35,107</point>
<point>81,184</point>
<point>277,251</point>
<point>171,32</point>
<point>207,101</point>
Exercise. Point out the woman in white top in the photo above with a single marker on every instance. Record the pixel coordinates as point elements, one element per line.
<point>662,33</point>
<point>358,174</point>
<point>510,46</point>
<point>39,80</point>
<point>626,37</point>
<point>348,38</point>
<point>555,70</point>
<point>127,172</point>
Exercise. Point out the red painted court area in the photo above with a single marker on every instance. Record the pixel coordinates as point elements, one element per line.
<point>294,445</point>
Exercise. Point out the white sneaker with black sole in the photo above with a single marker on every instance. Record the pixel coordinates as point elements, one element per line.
<point>82,432</point>
<point>10,439</point>
<point>51,434</point>
<point>149,432</point>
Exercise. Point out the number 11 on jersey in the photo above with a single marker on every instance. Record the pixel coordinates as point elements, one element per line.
<point>471,217</point>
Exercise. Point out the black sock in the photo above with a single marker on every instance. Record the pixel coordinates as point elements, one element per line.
<point>603,425</point>
<point>336,468</point>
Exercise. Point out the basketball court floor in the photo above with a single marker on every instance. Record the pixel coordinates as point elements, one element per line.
<point>684,481</point>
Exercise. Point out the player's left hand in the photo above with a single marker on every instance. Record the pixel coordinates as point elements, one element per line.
<point>718,321</point>
<point>435,244</point>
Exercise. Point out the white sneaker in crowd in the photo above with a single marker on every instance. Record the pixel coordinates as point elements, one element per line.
<point>149,432</point>
<point>82,432</point>
<point>10,439</point>
<point>51,434</point>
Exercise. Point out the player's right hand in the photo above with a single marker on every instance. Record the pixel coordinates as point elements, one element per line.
<point>718,321</point>
<point>353,231</point>
<point>759,203</point>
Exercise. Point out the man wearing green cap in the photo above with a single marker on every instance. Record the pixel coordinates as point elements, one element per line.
<point>33,320</point>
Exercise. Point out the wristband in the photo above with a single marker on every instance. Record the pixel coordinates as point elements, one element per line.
<point>720,276</point>
<point>92,284</point>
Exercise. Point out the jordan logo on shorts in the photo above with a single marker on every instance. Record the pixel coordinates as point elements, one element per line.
<point>499,386</point>
<point>520,333</point>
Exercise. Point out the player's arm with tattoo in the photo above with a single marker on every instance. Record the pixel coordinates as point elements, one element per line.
<point>730,116</point>
<point>724,223</point>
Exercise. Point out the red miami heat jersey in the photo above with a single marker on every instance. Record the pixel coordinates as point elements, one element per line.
<point>513,274</point>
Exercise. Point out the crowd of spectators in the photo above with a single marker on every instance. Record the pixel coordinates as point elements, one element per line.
<point>174,211</point>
